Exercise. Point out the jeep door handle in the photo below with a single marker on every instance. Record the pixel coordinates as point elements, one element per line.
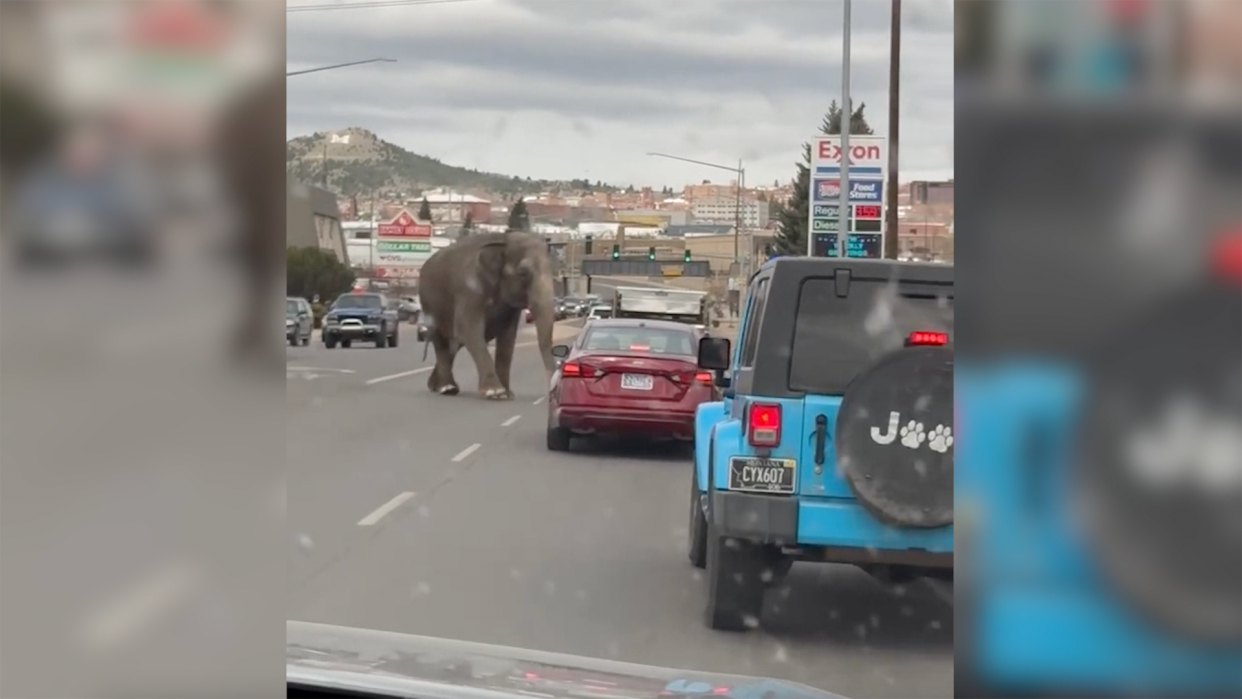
<point>821,436</point>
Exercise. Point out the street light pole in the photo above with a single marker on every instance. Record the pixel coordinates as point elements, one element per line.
<point>737,215</point>
<point>340,65</point>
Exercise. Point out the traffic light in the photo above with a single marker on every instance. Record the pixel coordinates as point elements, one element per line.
<point>616,252</point>
<point>586,245</point>
<point>651,253</point>
<point>685,256</point>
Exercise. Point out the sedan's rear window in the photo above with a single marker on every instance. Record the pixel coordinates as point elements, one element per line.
<point>640,339</point>
<point>836,338</point>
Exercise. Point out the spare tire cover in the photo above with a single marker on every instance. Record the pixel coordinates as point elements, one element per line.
<point>1156,485</point>
<point>894,437</point>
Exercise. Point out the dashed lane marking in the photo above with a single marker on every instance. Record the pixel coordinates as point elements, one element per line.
<point>318,368</point>
<point>511,420</point>
<point>384,509</point>
<point>401,375</point>
<point>538,400</point>
<point>467,452</point>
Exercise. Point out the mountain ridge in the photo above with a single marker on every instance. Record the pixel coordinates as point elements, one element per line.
<point>360,163</point>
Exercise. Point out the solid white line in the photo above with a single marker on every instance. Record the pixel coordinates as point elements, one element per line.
<point>467,451</point>
<point>384,509</point>
<point>511,420</point>
<point>538,400</point>
<point>401,375</point>
<point>316,368</point>
<point>139,605</point>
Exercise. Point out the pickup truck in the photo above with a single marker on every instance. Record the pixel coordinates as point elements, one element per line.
<point>369,317</point>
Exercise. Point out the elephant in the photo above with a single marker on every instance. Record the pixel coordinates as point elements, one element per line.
<point>476,291</point>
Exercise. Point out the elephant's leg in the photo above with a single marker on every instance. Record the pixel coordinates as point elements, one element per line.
<point>473,337</point>
<point>441,380</point>
<point>506,340</point>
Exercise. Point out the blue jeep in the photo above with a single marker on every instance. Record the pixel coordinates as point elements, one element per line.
<point>834,441</point>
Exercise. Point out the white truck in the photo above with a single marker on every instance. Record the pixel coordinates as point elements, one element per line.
<point>681,305</point>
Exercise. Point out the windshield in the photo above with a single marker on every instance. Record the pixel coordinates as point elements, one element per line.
<point>504,455</point>
<point>640,339</point>
<point>369,301</point>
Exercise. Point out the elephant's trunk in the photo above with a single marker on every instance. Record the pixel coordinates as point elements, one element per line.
<point>543,311</point>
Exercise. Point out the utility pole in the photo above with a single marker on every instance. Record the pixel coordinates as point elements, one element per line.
<point>892,238</point>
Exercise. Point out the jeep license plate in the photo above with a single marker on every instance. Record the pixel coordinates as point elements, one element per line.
<point>762,475</point>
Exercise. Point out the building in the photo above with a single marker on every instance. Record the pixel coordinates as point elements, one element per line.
<point>653,217</point>
<point>448,206</point>
<point>754,213</point>
<point>752,249</point>
<point>312,218</point>
<point>931,193</point>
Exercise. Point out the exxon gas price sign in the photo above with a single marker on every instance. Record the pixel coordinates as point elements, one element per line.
<point>864,221</point>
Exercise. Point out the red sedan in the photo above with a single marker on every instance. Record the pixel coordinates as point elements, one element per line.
<point>627,376</point>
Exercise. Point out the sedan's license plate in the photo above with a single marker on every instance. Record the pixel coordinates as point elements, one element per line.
<point>761,475</point>
<point>637,382</point>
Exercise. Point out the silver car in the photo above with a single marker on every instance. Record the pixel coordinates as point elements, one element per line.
<point>298,321</point>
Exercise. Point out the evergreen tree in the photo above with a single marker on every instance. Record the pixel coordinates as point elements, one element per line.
<point>791,216</point>
<point>519,220</point>
<point>424,210</point>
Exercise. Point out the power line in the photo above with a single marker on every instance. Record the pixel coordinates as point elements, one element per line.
<point>369,4</point>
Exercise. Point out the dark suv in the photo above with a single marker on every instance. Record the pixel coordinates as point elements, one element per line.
<point>834,441</point>
<point>361,316</point>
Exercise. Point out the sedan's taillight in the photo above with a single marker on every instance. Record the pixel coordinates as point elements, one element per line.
<point>763,424</point>
<point>704,377</point>
<point>581,371</point>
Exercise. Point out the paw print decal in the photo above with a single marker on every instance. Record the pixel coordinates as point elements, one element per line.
<point>940,439</point>
<point>912,435</point>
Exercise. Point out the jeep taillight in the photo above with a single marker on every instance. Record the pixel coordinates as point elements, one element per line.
<point>926,337</point>
<point>763,425</point>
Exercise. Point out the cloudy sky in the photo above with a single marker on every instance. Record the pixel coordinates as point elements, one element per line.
<point>564,89</point>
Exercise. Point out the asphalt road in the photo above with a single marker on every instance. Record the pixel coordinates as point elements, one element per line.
<point>447,517</point>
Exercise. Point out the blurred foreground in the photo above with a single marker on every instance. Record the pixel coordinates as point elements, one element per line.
<point>141,496</point>
<point>1100,402</point>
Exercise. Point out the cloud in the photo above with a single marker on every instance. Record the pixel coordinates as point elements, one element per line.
<point>568,88</point>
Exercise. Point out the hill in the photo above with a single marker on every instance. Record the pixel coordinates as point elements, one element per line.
<point>359,163</point>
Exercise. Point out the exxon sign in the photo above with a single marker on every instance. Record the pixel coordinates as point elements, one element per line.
<point>868,154</point>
